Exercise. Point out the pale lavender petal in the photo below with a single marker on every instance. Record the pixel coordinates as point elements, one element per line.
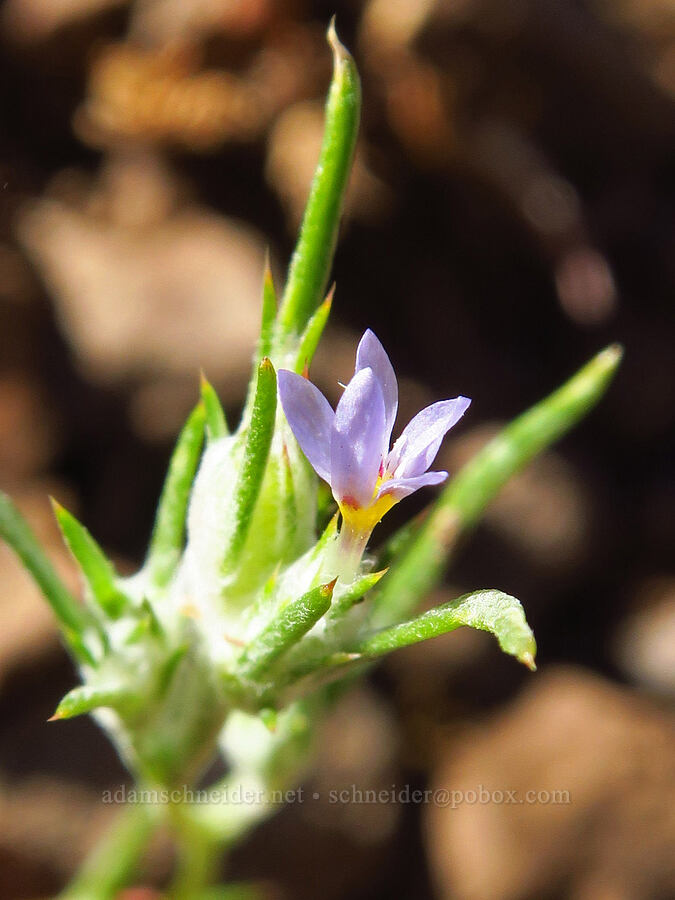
<point>311,419</point>
<point>356,445</point>
<point>402,487</point>
<point>371,354</point>
<point>416,449</point>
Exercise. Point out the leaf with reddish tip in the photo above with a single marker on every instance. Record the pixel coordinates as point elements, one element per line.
<point>312,334</point>
<point>489,610</point>
<point>290,624</point>
<point>86,698</point>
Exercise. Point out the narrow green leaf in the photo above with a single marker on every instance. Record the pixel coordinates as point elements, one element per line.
<point>166,543</point>
<point>423,552</point>
<point>73,618</point>
<point>216,423</point>
<point>292,622</point>
<point>312,334</point>
<point>287,498</point>
<point>310,266</point>
<point>86,697</point>
<point>256,451</point>
<point>269,312</point>
<point>97,569</point>
<point>489,610</point>
<point>354,594</point>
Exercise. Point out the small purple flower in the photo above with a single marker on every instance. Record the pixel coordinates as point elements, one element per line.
<point>349,448</point>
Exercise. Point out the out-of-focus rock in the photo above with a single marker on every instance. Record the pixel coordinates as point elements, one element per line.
<point>50,823</point>
<point>159,408</point>
<point>25,426</point>
<point>586,286</point>
<point>35,20</point>
<point>644,645</point>
<point>146,297</point>
<point>591,813</point>
<point>48,826</point>
<point>651,25</point>
<point>544,510</point>
<point>162,96</point>
<point>356,754</point>
<point>174,21</point>
<point>16,283</point>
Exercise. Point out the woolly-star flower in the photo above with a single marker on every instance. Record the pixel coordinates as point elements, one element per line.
<point>349,448</point>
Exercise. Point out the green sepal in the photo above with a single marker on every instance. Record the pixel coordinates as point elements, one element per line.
<point>287,499</point>
<point>487,610</point>
<point>86,698</point>
<point>311,262</point>
<point>327,535</point>
<point>355,593</point>
<point>291,623</point>
<point>73,618</point>
<point>312,334</point>
<point>216,423</point>
<point>256,450</point>
<point>97,569</point>
<point>424,547</point>
<point>168,535</point>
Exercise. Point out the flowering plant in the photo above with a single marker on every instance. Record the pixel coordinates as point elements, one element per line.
<point>247,607</point>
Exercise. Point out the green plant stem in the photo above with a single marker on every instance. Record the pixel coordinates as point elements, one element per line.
<point>199,857</point>
<point>114,862</point>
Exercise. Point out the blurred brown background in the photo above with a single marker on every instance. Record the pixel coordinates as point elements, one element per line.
<point>510,214</point>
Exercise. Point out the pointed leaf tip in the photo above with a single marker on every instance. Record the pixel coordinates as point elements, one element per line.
<point>311,261</point>
<point>613,354</point>
<point>328,301</point>
<point>99,573</point>
<point>86,698</point>
<point>340,52</point>
<point>168,534</point>
<point>527,659</point>
<point>311,336</point>
<point>73,618</point>
<point>487,610</point>
<point>215,421</point>
<point>327,589</point>
<point>291,622</point>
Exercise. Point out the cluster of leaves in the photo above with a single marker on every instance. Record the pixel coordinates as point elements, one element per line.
<point>230,634</point>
